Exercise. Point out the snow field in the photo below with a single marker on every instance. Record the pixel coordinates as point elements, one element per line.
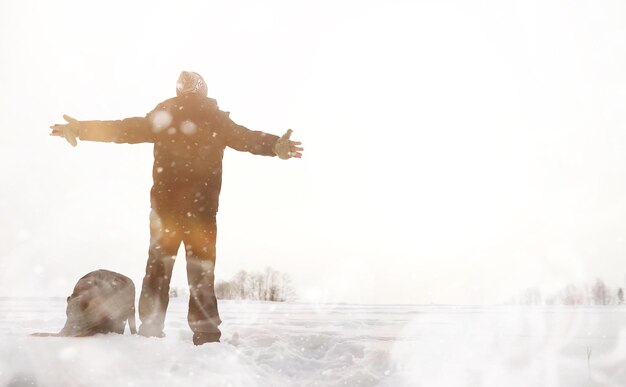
<point>290,344</point>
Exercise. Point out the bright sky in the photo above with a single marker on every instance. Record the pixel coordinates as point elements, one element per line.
<point>455,152</point>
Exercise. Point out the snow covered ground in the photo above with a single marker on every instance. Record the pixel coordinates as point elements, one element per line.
<point>291,344</point>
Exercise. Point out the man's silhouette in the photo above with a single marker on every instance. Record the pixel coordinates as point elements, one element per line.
<point>190,134</point>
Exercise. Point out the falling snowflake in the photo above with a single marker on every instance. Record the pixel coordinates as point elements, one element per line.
<point>188,127</point>
<point>160,120</point>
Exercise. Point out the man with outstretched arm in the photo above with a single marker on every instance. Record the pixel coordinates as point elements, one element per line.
<point>190,134</point>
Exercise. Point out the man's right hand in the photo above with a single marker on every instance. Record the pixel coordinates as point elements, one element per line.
<point>286,149</point>
<point>70,131</point>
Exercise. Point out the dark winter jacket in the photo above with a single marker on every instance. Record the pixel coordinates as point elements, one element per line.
<point>189,133</point>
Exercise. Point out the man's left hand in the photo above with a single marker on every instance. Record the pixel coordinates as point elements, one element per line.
<point>69,131</point>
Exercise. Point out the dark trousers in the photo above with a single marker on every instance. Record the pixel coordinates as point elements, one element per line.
<point>198,234</point>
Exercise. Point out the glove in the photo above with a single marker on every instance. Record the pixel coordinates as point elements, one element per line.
<point>284,148</point>
<point>69,131</point>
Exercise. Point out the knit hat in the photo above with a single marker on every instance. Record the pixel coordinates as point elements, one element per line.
<point>191,82</point>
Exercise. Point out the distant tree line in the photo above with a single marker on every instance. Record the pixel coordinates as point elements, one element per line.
<point>267,285</point>
<point>597,293</point>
